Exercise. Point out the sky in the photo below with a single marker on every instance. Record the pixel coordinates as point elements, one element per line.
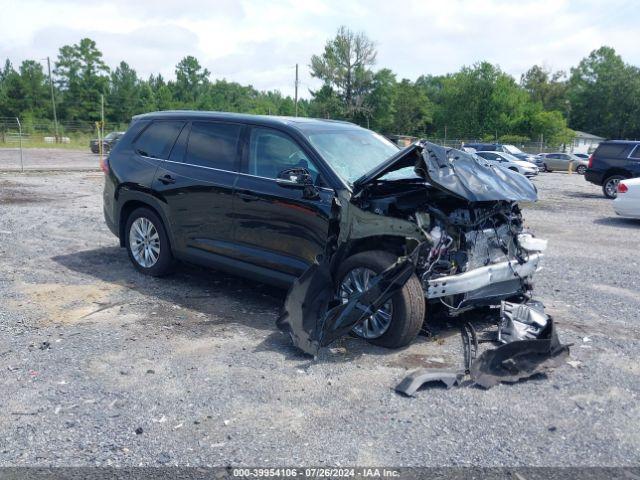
<point>259,42</point>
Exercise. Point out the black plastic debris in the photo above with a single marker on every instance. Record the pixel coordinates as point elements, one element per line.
<point>521,321</point>
<point>520,359</point>
<point>533,348</point>
<point>412,382</point>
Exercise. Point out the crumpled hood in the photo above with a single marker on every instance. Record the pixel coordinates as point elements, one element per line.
<point>460,173</point>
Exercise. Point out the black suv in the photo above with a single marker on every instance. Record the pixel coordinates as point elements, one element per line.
<point>267,197</point>
<point>108,142</point>
<point>612,161</point>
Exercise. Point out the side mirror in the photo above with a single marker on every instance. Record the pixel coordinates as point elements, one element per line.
<point>298,178</point>
<point>295,178</point>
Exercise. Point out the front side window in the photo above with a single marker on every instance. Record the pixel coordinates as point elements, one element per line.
<point>352,153</point>
<point>213,145</point>
<point>271,152</point>
<point>158,138</point>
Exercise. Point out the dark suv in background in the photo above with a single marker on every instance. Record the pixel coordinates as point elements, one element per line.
<point>612,161</point>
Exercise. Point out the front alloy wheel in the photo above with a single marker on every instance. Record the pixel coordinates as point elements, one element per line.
<point>356,281</point>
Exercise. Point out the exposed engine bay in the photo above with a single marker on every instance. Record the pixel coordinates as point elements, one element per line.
<point>462,234</point>
<point>461,237</point>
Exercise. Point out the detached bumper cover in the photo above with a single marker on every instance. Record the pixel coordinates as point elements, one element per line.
<point>483,276</point>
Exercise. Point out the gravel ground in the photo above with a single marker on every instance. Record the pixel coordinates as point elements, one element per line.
<point>102,366</point>
<point>48,159</point>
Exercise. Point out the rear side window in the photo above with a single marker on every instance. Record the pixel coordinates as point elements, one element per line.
<point>636,153</point>
<point>156,141</point>
<point>213,145</point>
<point>611,150</point>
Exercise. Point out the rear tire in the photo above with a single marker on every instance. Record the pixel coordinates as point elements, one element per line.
<point>408,309</point>
<point>581,170</point>
<point>547,169</point>
<point>610,186</point>
<point>157,260</point>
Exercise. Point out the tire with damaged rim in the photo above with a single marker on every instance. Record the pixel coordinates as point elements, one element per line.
<point>399,321</point>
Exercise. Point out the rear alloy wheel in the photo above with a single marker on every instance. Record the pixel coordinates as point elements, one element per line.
<point>399,320</point>
<point>610,186</point>
<point>581,170</point>
<point>147,243</point>
<point>546,169</point>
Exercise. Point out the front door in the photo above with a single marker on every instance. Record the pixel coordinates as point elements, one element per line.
<point>279,227</point>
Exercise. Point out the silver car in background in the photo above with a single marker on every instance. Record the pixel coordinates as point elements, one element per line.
<point>563,162</point>
<point>507,160</point>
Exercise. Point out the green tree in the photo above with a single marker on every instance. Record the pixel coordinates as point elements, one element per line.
<point>345,67</point>
<point>412,109</point>
<point>480,100</point>
<point>548,88</point>
<point>382,101</point>
<point>82,77</point>
<point>604,95</point>
<point>124,94</point>
<point>191,81</point>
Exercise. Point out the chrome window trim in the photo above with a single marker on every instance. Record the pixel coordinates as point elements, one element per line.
<point>328,189</point>
<point>629,157</point>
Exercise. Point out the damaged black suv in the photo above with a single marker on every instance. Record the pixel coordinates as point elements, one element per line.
<point>368,235</point>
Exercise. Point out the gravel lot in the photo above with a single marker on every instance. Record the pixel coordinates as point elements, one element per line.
<point>48,159</point>
<point>102,366</point>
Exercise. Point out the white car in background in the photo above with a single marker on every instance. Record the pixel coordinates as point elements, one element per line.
<point>507,160</point>
<point>627,203</point>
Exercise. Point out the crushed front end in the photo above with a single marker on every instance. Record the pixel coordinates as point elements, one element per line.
<point>456,224</point>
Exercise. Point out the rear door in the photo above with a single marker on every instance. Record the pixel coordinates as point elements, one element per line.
<point>279,228</point>
<point>197,183</point>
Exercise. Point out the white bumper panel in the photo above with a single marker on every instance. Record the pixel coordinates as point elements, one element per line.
<point>483,276</point>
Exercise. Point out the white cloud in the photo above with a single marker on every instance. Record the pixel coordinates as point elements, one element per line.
<point>260,41</point>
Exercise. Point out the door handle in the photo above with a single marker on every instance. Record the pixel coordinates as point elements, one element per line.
<point>248,197</point>
<point>167,179</point>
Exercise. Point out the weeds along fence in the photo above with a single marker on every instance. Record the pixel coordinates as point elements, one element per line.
<point>43,133</point>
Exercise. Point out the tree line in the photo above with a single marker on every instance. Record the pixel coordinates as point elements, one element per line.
<point>600,95</point>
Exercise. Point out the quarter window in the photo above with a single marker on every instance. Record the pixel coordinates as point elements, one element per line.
<point>213,145</point>
<point>636,153</point>
<point>158,138</point>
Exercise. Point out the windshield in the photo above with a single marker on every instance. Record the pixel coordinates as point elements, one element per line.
<point>110,136</point>
<point>351,153</point>
<point>509,157</point>
<point>512,149</point>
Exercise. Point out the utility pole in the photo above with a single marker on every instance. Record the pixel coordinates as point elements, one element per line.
<point>445,135</point>
<point>53,100</point>
<point>296,97</point>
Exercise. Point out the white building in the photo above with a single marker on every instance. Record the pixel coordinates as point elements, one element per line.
<point>585,142</point>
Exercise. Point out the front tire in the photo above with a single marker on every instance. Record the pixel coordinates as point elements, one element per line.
<point>407,306</point>
<point>147,243</point>
<point>610,186</point>
<point>581,170</point>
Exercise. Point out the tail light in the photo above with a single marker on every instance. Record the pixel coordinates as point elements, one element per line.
<point>622,188</point>
<point>104,165</point>
<point>591,161</point>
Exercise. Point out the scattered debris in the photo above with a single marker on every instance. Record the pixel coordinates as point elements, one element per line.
<point>139,431</point>
<point>45,346</point>
<point>412,382</point>
<point>520,359</point>
<point>530,346</point>
<point>574,363</point>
